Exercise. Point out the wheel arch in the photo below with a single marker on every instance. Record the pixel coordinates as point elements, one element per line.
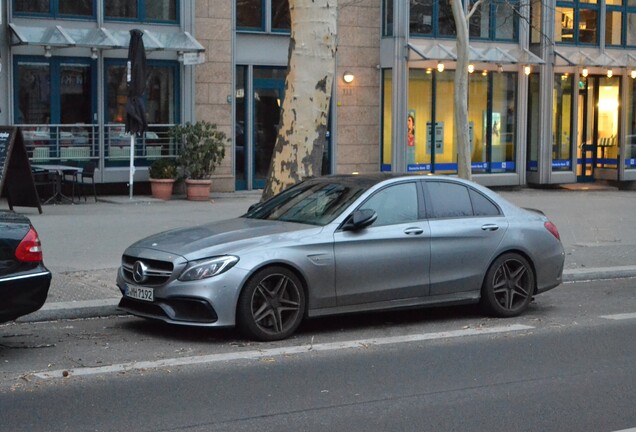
<point>517,251</point>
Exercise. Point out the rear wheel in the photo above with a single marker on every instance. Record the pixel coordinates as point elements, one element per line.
<point>271,305</point>
<point>508,286</point>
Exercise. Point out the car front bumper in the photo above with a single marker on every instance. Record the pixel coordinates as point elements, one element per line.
<point>206,303</point>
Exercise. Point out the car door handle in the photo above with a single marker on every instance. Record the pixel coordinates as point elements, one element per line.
<point>490,227</point>
<point>413,231</point>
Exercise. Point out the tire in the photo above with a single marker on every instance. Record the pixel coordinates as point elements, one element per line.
<point>271,305</point>
<point>508,287</point>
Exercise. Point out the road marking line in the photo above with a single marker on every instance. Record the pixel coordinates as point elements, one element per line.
<point>274,352</point>
<point>624,316</point>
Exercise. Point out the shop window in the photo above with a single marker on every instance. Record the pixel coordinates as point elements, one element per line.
<point>562,120</point>
<point>630,139</point>
<point>534,120</point>
<point>251,15</point>
<point>141,10</point>
<point>79,8</point>
<point>160,97</point>
<point>576,22</point>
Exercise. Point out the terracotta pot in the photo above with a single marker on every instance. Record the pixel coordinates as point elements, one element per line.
<point>162,188</point>
<point>198,190</point>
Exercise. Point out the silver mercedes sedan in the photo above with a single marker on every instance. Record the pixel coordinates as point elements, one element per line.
<point>345,243</point>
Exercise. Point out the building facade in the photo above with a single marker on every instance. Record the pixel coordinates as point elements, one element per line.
<point>551,85</point>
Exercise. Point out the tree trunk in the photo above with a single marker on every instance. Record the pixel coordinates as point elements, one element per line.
<point>464,169</point>
<point>302,133</point>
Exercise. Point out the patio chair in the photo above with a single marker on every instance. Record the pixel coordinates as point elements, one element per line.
<point>81,180</point>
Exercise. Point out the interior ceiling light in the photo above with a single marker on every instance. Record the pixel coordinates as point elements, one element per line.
<point>633,74</point>
<point>610,73</point>
<point>585,72</point>
<point>440,67</point>
<point>471,68</point>
<point>527,69</point>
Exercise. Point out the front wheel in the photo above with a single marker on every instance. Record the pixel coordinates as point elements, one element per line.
<point>271,305</point>
<point>508,286</point>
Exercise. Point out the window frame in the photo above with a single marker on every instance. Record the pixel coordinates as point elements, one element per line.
<point>266,21</point>
<point>142,14</point>
<point>54,11</point>
<point>577,6</point>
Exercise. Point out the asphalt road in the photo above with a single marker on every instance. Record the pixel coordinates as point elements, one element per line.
<point>567,365</point>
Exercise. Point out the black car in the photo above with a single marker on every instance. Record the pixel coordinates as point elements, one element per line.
<point>24,280</point>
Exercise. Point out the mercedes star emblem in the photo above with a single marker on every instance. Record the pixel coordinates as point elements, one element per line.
<point>139,272</point>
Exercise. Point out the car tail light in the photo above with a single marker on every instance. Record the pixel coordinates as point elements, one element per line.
<point>30,248</point>
<point>553,229</point>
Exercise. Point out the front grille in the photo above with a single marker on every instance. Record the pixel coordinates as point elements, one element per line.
<point>176,309</point>
<point>158,272</point>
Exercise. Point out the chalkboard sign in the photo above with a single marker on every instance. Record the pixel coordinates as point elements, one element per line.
<point>16,178</point>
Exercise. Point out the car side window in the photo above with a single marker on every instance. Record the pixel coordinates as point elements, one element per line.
<point>482,206</point>
<point>394,204</point>
<point>449,200</point>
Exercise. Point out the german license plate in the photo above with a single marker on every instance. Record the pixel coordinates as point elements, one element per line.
<point>140,293</point>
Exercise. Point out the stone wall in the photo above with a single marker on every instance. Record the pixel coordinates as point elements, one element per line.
<point>358,103</point>
<point>213,82</point>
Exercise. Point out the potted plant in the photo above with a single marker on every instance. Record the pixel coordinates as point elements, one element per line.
<point>162,173</point>
<point>201,150</point>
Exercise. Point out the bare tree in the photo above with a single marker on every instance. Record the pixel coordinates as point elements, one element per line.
<point>302,134</point>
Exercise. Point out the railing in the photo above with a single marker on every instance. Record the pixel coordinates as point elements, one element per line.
<point>77,144</point>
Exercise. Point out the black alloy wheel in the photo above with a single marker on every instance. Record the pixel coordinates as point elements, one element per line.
<point>271,305</point>
<point>509,286</point>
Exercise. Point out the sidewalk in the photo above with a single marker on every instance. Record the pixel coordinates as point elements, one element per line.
<point>83,243</point>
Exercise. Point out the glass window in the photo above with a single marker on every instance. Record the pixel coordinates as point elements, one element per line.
<point>588,30</point>
<point>535,21</point>
<point>613,27</point>
<point>240,132</point>
<point>280,15</point>
<point>421,17</point>
<point>630,140</point>
<point>449,200</point>
<point>445,19</point>
<point>34,93</point>
<point>576,22</point>
<point>158,10</point>
<point>506,19</point>
<point>76,7</point>
<point>564,25</point>
<point>445,152</point>
<point>479,25</point>
<point>387,29</point>
<point>394,204</point>
<point>482,206</point>
<point>631,29</point>
<point>32,6</point>
<point>478,119</point>
<point>504,115</point>
<point>387,110</point>
<point>563,115</point>
<point>533,121</point>
<point>249,14</point>
<point>121,9</point>
<point>151,10</point>
<point>420,116</point>
<point>160,94</point>
<point>75,94</point>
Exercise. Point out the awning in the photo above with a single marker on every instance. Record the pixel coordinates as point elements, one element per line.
<point>498,55</point>
<point>101,38</point>
<point>586,58</point>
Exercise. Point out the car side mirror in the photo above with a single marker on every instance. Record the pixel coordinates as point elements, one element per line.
<point>360,219</point>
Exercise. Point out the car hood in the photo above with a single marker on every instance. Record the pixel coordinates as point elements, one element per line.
<point>223,237</point>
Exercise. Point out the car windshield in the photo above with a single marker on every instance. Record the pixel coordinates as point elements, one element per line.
<point>311,202</point>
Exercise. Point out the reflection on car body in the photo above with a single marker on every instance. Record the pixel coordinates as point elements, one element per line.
<point>345,243</point>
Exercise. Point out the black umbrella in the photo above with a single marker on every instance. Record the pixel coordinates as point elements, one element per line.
<point>136,123</point>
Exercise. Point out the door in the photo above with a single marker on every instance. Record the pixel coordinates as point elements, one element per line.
<point>597,144</point>
<point>466,229</point>
<point>268,99</point>
<point>389,260</point>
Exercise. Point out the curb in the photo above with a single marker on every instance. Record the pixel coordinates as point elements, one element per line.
<point>108,307</point>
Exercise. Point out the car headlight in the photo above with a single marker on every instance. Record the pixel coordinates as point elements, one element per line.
<point>206,268</point>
